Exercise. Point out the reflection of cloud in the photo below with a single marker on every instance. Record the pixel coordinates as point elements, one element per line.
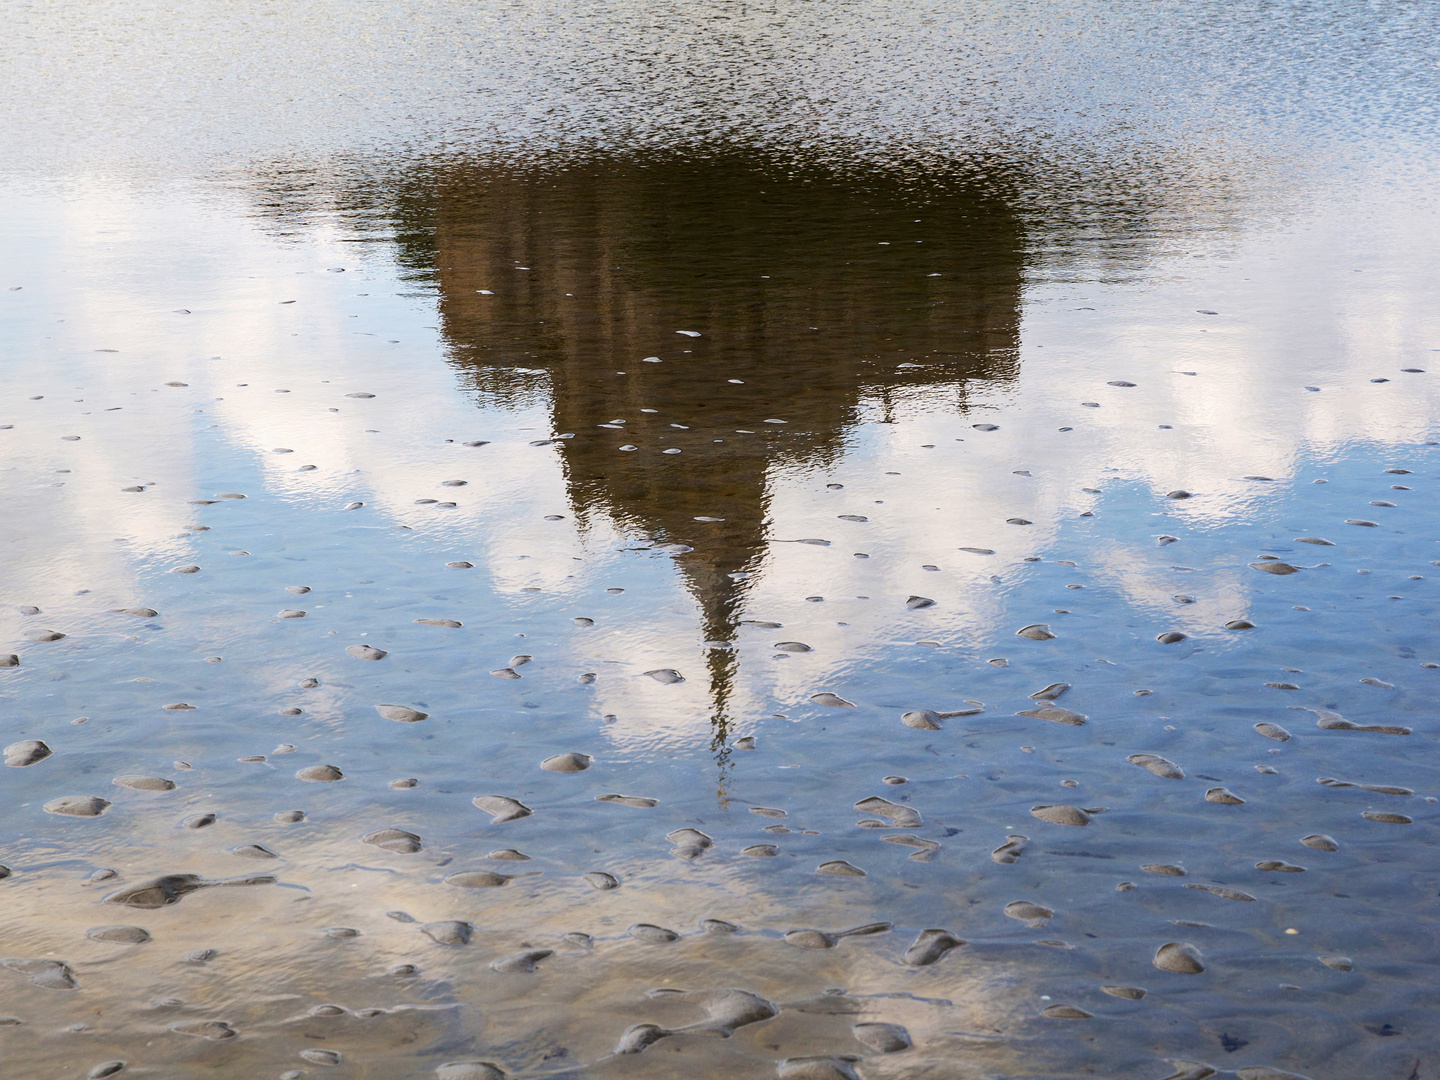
<point>688,259</point>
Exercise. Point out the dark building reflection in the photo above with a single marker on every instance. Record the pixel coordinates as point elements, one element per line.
<point>812,293</point>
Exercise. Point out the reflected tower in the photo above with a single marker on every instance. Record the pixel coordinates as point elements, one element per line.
<point>724,317</point>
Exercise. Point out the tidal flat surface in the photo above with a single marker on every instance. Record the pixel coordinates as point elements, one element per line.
<point>590,541</point>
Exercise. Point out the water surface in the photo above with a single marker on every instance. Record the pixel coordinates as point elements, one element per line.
<point>700,390</point>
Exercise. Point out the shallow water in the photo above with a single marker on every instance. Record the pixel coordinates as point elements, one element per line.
<point>680,398</point>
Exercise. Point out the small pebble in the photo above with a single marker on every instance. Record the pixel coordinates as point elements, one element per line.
<point>469,1070</point>
<point>320,774</point>
<point>212,1030</point>
<point>882,1038</point>
<point>522,962</point>
<point>639,801</point>
<point>1061,815</point>
<point>652,933</point>
<point>401,713</point>
<point>930,946</point>
<point>1009,852</point>
<point>19,755</point>
<point>397,840</point>
<point>1387,818</point>
<point>567,763</point>
<point>1167,869</point>
<point>449,932</point>
<point>119,935</point>
<point>1129,993</point>
<point>1180,957</point>
<point>1162,767</point>
<point>1221,891</point>
<point>144,783</point>
<point>502,808</point>
<point>1028,912</point>
<point>77,806</point>
<point>1223,796</point>
<point>254,851</point>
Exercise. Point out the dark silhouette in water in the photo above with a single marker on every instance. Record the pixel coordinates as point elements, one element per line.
<point>812,296</point>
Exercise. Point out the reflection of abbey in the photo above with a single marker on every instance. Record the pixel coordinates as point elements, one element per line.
<point>810,294</point>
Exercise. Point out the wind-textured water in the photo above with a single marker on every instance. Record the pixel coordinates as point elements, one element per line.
<point>607,541</point>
